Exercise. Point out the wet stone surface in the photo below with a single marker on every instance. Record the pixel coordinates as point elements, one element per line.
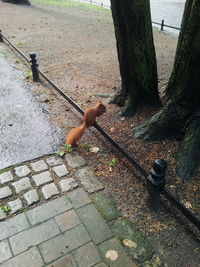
<point>26,131</point>
<point>67,230</point>
<point>40,180</point>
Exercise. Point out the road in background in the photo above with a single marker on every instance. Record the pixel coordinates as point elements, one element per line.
<point>169,10</point>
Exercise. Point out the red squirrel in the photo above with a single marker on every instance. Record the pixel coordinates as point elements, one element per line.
<point>89,117</point>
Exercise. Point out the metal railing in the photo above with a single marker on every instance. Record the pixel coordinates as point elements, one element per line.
<point>155,179</point>
<point>162,24</point>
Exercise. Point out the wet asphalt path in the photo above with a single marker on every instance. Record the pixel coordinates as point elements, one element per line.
<point>25,130</point>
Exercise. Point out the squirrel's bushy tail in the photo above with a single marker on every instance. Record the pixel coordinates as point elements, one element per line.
<point>75,135</point>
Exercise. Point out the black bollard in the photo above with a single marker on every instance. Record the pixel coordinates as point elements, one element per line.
<point>155,182</point>
<point>34,66</point>
<point>1,38</point>
<point>162,24</point>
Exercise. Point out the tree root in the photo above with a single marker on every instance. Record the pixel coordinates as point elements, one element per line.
<point>189,150</point>
<point>119,98</point>
<point>168,123</point>
<point>129,108</point>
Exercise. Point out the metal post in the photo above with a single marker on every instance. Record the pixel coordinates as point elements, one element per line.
<point>101,4</point>
<point>1,38</point>
<point>34,66</point>
<point>155,182</point>
<point>162,24</point>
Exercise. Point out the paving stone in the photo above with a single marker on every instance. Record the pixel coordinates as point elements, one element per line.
<point>30,258</point>
<point>101,264</point>
<point>2,214</point>
<point>121,258</point>
<point>5,252</point>
<point>106,206</point>
<point>87,255</point>
<point>94,223</point>
<point>42,178</point>
<point>22,171</point>
<point>5,192</point>
<point>22,184</point>
<point>64,243</point>
<point>68,184</point>
<point>79,198</point>
<point>75,160</point>
<point>53,161</point>
<point>67,261</point>
<point>67,220</point>
<point>49,190</point>
<point>15,205</point>
<point>31,197</point>
<point>39,166</point>
<point>33,236</point>
<point>60,170</point>
<point>142,249</point>
<point>13,226</point>
<point>48,210</point>
<point>6,177</point>
<point>89,180</point>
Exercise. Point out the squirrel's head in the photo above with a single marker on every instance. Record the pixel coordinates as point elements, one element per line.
<point>101,107</point>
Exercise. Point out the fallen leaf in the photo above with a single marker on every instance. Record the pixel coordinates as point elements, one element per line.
<point>110,169</point>
<point>94,149</point>
<point>129,243</point>
<point>112,255</point>
<point>188,205</point>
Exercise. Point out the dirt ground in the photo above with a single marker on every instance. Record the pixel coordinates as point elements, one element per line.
<point>75,47</point>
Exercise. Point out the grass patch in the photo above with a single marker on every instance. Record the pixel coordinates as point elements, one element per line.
<point>7,169</point>
<point>72,4</point>
<point>4,54</point>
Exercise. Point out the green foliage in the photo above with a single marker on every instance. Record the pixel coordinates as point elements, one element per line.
<point>66,149</point>
<point>20,43</point>
<point>7,169</point>
<point>6,208</point>
<point>113,162</point>
<point>71,4</point>
<point>29,75</point>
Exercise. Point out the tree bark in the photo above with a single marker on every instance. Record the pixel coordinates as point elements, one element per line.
<point>136,54</point>
<point>19,2</point>
<point>176,118</point>
<point>189,150</point>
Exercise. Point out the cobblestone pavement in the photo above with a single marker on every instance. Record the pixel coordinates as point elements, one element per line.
<point>52,221</point>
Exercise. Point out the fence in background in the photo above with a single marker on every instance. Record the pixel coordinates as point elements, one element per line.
<point>162,24</point>
<point>155,180</point>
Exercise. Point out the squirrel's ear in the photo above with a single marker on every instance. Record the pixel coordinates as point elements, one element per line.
<point>99,104</point>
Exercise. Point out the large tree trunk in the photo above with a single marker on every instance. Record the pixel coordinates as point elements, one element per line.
<point>19,2</point>
<point>179,118</point>
<point>136,54</point>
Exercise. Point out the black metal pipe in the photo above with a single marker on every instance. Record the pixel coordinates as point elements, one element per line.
<point>191,216</point>
<point>69,99</point>
<point>172,27</point>
<point>164,191</point>
<point>106,135</point>
<point>1,38</point>
<point>122,150</point>
<point>16,49</point>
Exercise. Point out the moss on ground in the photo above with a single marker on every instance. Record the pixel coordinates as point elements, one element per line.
<point>106,206</point>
